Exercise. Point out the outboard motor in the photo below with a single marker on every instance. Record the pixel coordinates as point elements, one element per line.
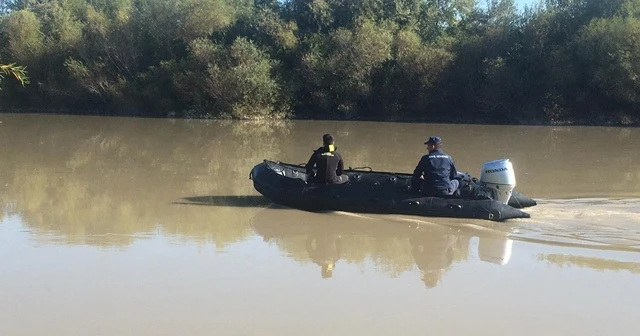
<point>499,176</point>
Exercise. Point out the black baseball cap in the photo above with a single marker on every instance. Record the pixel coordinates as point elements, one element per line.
<point>434,140</point>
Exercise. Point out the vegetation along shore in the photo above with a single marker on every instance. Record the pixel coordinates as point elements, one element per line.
<point>560,61</point>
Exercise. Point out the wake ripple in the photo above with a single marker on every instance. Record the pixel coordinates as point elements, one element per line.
<point>601,223</point>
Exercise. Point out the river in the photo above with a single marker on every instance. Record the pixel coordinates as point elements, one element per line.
<point>125,226</point>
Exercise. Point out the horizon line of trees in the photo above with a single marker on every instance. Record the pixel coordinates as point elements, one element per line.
<point>438,60</point>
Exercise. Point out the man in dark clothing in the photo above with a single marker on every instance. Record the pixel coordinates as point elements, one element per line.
<point>436,172</point>
<point>328,162</point>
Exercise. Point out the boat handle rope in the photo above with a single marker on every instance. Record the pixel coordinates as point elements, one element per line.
<point>350,168</point>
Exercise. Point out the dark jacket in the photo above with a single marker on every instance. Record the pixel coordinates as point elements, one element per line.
<point>329,166</point>
<point>438,169</point>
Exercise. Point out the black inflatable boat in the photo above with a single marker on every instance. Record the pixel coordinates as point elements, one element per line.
<point>380,192</point>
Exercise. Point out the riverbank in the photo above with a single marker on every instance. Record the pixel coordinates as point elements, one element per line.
<point>620,121</point>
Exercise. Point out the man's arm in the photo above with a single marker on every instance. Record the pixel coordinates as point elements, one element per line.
<point>419,168</point>
<point>454,171</point>
<point>311,163</point>
<point>416,182</point>
<point>340,169</point>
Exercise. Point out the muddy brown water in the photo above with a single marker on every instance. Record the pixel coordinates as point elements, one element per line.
<point>122,226</point>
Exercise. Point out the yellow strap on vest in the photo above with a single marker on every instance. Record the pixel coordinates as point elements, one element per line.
<point>332,148</point>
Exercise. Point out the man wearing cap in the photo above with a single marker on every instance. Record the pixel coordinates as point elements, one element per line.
<point>329,164</point>
<point>435,173</point>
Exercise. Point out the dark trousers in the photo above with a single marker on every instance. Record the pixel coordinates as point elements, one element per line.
<point>341,179</point>
<point>337,180</point>
<point>453,186</point>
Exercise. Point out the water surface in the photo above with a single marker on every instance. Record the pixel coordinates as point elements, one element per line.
<point>116,226</point>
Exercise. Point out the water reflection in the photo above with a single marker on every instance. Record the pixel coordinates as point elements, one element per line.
<point>394,246</point>
<point>433,253</point>
<point>78,177</point>
<point>109,181</point>
<point>595,263</point>
<point>324,250</point>
<point>495,250</point>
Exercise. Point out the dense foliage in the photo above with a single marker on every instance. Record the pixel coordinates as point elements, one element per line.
<point>437,60</point>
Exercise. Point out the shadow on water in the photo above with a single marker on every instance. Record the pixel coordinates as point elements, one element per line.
<point>247,201</point>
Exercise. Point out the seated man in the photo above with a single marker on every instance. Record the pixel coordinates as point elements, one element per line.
<point>436,172</point>
<point>328,163</point>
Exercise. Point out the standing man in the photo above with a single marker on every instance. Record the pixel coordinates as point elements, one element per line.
<point>329,164</point>
<point>435,173</point>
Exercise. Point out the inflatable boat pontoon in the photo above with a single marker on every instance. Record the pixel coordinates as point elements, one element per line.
<point>492,197</point>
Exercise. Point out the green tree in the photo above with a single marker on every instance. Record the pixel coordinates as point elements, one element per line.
<point>24,39</point>
<point>17,71</point>
<point>609,49</point>
<point>238,80</point>
<point>338,71</point>
<point>560,60</point>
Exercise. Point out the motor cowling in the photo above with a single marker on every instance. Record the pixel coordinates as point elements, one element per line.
<point>499,176</point>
